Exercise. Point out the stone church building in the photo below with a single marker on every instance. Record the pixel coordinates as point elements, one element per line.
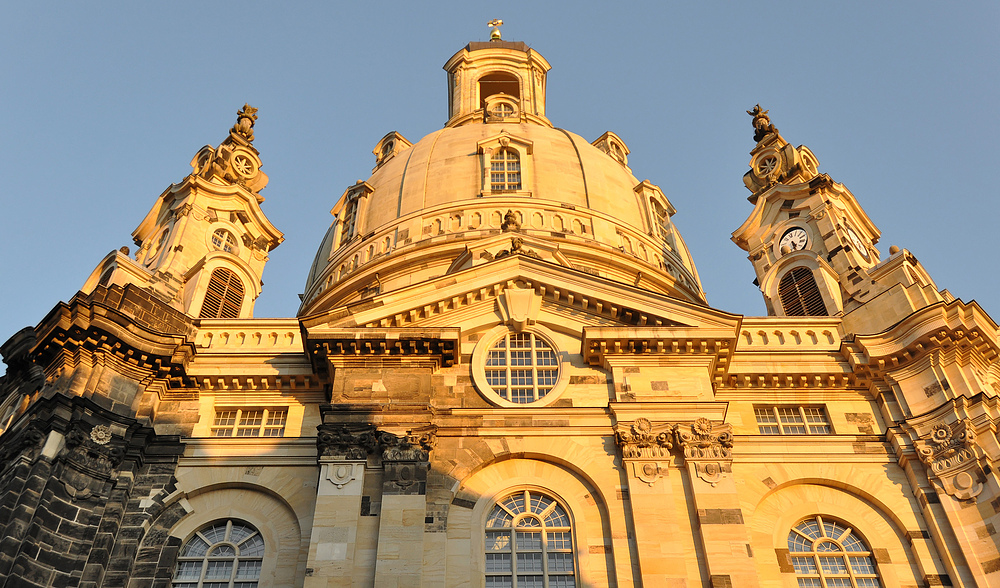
<point>503,373</point>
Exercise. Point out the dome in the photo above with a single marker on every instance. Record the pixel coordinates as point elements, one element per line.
<point>498,179</point>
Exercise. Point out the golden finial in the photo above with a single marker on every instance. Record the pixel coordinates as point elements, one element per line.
<point>495,33</point>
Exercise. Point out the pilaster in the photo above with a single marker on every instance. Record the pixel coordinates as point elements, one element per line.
<point>405,461</point>
<point>662,556</point>
<point>343,454</point>
<point>708,457</point>
<point>969,493</point>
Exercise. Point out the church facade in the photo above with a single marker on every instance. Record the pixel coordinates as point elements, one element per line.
<point>503,373</point>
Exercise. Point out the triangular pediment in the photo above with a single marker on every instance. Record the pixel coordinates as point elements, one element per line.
<point>576,297</point>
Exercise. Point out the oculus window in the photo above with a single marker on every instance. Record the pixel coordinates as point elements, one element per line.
<point>521,367</point>
<point>223,240</point>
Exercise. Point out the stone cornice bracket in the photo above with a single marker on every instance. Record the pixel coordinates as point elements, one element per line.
<point>349,441</point>
<point>708,446</point>
<point>951,455</point>
<point>645,448</point>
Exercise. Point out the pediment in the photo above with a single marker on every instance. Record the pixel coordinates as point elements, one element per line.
<point>473,290</point>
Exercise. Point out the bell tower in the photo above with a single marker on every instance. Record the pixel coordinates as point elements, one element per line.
<point>811,244</point>
<point>203,245</point>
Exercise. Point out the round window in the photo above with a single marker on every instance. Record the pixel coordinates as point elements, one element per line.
<point>223,240</point>
<point>512,368</point>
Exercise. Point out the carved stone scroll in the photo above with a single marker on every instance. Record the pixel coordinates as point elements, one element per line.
<point>950,453</point>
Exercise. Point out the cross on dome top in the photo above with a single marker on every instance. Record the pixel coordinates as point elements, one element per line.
<point>496,23</point>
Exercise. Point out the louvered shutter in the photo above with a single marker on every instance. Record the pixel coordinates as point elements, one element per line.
<point>224,296</point>
<point>799,294</point>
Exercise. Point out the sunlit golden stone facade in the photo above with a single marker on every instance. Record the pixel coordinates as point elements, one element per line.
<point>504,372</point>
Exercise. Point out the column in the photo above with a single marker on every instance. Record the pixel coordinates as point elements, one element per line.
<point>969,493</point>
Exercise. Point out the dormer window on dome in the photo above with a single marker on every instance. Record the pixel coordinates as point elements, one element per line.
<point>505,171</point>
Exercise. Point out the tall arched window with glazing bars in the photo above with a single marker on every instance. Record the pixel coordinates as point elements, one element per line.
<point>529,543</point>
<point>505,170</point>
<point>829,554</point>
<point>225,554</point>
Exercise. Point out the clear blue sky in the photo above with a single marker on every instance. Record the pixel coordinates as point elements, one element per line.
<point>102,107</point>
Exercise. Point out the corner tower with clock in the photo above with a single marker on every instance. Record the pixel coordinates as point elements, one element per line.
<point>203,245</point>
<point>810,242</point>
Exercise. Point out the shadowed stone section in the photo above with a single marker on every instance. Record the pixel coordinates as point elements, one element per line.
<point>720,516</point>
<point>142,305</point>
<point>70,518</point>
<point>784,561</point>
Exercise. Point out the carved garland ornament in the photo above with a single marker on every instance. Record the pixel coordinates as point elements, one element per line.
<point>950,452</point>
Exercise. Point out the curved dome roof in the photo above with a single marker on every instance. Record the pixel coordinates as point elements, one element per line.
<point>570,201</point>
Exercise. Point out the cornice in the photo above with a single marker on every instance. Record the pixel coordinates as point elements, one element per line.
<point>600,345</point>
<point>328,347</point>
<point>941,326</point>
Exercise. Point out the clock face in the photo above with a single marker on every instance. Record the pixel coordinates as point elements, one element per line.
<point>858,244</point>
<point>795,239</point>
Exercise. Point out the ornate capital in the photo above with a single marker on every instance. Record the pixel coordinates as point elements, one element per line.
<point>950,453</point>
<point>410,447</point>
<point>643,440</point>
<point>704,439</point>
<point>352,441</point>
<point>708,447</point>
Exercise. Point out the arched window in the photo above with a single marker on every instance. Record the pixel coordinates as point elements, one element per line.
<point>225,554</point>
<point>529,543</point>
<point>157,245</point>
<point>505,171</point>
<point>827,554</point>
<point>661,218</point>
<point>223,240</point>
<point>521,367</point>
<point>498,83</point>
<point>224,295</point>
<point>800,295</point>
<point>348,222</point>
